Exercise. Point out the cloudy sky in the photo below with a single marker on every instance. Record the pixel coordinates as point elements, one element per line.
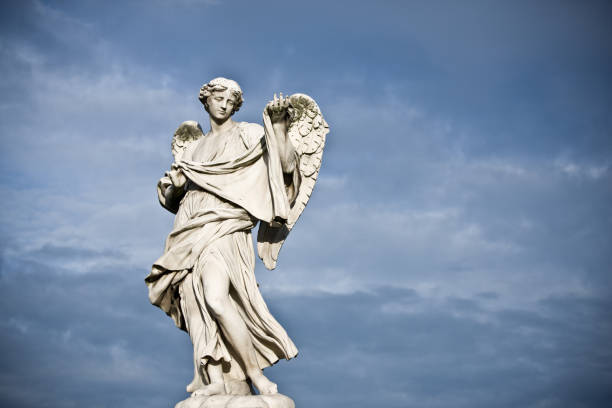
<point>456,251</point>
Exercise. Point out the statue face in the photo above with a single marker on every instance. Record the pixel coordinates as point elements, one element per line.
<point>221,105</point>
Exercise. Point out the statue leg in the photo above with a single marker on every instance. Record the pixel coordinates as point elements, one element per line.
<point>216,284</point>
<point>195,327</point>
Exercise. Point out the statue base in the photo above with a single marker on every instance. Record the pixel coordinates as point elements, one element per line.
<point>237,401</point>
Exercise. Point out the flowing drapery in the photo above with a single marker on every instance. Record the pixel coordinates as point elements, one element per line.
<point>225,198</point>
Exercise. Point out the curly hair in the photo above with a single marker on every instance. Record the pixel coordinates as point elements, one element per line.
<point>221,84</point>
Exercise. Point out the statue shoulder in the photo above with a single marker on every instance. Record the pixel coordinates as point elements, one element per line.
<point>251,133</point>
<point>185,137</point>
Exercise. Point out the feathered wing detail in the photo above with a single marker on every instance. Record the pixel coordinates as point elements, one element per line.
<point>307,131</point>
<point>187,133</point>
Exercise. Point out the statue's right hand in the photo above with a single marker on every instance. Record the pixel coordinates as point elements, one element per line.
<point>177,178</point>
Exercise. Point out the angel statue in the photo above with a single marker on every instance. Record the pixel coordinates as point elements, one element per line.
<point>220,185</point>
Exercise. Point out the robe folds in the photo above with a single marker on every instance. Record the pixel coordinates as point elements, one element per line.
<point>240,183</point>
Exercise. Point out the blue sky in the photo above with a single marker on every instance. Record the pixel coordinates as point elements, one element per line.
<point>455,252</point>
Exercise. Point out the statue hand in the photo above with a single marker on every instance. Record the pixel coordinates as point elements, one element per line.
<point>277,109</point>
<point>177,178</point>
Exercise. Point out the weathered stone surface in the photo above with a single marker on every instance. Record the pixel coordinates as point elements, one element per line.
<point>278,401</point>
<point>237,388</point>
<point>238,401</point>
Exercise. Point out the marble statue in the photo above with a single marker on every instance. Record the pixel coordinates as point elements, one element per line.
<point>220,186</point>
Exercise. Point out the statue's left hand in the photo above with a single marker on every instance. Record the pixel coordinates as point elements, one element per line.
<point>277,109</point>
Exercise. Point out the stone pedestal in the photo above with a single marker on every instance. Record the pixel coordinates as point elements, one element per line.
<point>238,401</point>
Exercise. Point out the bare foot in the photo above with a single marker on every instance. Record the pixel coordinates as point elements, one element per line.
<point>211,389</point>
<point>195,384</point>
<point>264,386</point>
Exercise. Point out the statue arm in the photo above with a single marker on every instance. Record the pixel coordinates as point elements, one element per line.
<point>289,159</point>
<point>279,116</point>
<point>168,193</point>
<point>286,152</point>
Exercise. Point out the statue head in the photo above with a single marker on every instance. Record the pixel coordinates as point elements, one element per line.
<point>221,84</point>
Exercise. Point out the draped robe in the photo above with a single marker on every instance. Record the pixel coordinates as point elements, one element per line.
<point>238,183</point>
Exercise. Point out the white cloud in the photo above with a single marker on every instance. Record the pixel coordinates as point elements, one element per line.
<point>592,171</point>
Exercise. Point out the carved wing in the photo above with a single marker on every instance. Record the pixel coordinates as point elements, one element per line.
<point>307,131</point>
<point>187,133</point>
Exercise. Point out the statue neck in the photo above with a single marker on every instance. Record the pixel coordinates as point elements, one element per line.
<point>217,128</point>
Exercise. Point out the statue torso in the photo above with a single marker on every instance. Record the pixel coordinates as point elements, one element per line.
<point>219,148</point>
